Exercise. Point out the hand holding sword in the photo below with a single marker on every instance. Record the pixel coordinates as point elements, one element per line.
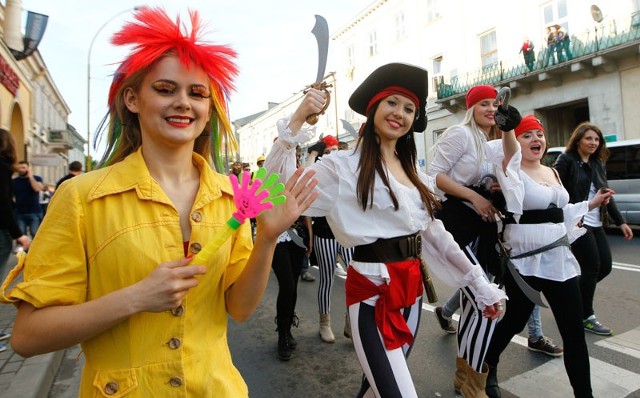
<point>321,32</point>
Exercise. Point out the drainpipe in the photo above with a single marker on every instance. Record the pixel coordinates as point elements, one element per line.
<point>12,23</point>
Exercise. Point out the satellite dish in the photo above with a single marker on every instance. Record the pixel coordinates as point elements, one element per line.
<point>596,13</point>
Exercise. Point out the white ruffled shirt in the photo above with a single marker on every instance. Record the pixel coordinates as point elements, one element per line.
<point>456,156</point>
<point>337,179</point>
<point>521,193</point>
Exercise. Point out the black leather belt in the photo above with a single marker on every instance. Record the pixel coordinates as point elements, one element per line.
<point>390,250</point>
<point>553,215</point>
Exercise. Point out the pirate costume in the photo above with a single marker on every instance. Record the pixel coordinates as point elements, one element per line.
<point>383,288</point>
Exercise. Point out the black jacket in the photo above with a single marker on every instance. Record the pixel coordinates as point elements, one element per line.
<point>7,215</point>
<point>571,168</point>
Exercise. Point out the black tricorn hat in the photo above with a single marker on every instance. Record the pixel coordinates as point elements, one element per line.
<point>409,77</point>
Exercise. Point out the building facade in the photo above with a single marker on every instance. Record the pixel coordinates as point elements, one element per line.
<point>463,43</point>
<point>31,106</point>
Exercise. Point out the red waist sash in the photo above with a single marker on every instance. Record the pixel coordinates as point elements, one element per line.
<point>403,289</point>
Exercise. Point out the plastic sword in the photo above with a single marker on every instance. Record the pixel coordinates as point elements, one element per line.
<point>321,32</point>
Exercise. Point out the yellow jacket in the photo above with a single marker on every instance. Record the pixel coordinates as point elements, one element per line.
<point>109,229</point>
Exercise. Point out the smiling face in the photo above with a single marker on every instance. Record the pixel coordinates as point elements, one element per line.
<point>533,145</point>
<point>588,144</point>
<point>173,103</point>
<point>484,112</point>
<point>394,117</point>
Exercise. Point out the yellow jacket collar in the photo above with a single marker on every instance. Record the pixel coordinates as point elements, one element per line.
<point>132,174</point>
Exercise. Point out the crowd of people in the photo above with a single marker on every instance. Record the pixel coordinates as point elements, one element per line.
<point>152,323</point>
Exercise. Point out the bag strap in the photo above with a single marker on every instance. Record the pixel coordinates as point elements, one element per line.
<point>562,241</point>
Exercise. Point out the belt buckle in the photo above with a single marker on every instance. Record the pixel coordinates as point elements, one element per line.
<point>415,245</point>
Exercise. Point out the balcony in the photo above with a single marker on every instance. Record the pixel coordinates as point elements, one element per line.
<point>600,47</point>
<point>60,140</point>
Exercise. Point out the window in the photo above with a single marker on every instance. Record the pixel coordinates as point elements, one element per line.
<point>433,10</point>
<point>489,49</point>
<point>556,12</point>
<point>373,43</point>
<point>437,65</point>
<point>401,31</point>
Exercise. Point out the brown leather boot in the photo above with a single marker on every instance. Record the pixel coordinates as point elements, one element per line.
<point>475,384</point>
<point>460,375</point>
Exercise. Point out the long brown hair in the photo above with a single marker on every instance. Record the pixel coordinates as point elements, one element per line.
<point>601,153</point>
<point>8,147</point>
<point>371,163</point>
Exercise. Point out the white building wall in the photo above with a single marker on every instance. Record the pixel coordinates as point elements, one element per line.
<point>455,37</point>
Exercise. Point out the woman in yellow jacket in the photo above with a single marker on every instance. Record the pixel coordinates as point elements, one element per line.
<point>110,268</point>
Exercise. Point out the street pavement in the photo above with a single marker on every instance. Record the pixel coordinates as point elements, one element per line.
<point>331,370</point>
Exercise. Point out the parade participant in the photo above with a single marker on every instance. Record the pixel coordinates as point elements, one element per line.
<point>538,231</point>
<point>583,173</point>
<point>326,249</point>
<point>462,158</point>
<point>376,200</point>
<point>120,282</point>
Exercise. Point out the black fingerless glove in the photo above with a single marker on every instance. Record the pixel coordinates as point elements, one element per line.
<point>319,147</point>
<point>508,119</point>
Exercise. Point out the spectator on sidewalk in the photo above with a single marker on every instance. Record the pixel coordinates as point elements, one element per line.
<point>26,189</point>
<point>75,168</point>
<point>9,229</point>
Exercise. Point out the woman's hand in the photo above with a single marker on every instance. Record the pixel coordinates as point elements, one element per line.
<point>602,198</point>
<point>494,311</point>
<point>166,286</point>
<point>24,241</point>
<point>626,231</point>
<point>299,191</point>
<point>312,103</point>
<point>484,207</point>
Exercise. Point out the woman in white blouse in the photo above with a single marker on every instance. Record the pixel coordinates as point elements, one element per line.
<point>462,157</point>
<point>543,221</point>
<point>376,200</point>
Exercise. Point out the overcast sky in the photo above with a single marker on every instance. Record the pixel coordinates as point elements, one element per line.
<point>277,51</point>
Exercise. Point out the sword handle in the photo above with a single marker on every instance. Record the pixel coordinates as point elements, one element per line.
<point>314,117</point>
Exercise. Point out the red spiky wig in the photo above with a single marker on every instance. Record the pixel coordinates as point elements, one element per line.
<point>152,35</point>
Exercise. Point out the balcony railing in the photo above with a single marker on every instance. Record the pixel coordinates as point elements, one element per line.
<point>602,39</point>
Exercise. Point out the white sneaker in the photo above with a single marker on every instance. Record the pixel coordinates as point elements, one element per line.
<point>4,336</point>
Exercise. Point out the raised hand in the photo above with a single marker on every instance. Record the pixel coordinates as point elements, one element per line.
<point>299,193</point>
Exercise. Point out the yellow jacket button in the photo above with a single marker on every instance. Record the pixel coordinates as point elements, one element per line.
<point>196,216</point>
<point>178,311</point>
<point>111,388</point>
<point>195,247</point>
<point>175,381</point>
<point>174,343</point>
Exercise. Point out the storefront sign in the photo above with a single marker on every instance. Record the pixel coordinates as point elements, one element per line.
<point>46,159</point>
<point>8,77</point>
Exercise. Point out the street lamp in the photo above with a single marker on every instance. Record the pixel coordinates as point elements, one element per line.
<point>88,161</point>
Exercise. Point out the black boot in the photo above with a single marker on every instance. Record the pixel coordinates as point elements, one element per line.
<point>295,321</point>
<point>492,390</point>
<point>285,351</point>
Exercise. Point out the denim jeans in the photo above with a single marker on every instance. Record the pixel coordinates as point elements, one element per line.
<point>534,325</point>
<point>6,244</point>
<point>29,220</point>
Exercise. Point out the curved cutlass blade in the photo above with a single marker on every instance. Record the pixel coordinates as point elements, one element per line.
<point>321,32</point>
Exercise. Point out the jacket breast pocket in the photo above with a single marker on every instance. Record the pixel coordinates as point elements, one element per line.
<point>115,383</point>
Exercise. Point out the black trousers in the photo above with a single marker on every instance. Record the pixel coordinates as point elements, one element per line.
<point>287,265</point>
<point>594,256</point>
<point>564,300</point>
